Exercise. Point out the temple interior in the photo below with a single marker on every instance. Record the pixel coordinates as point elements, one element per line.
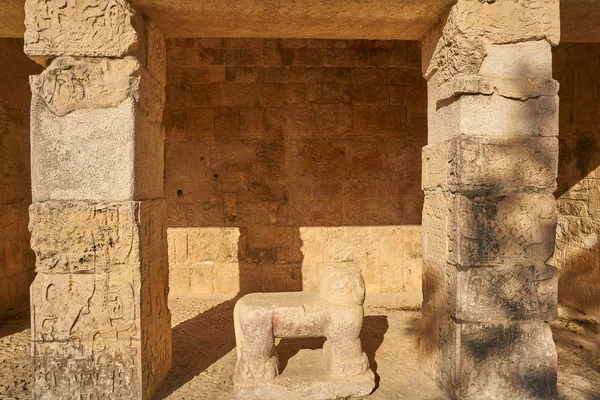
<point>294,147</point>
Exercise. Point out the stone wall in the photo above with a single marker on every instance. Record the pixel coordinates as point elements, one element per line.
<point>577,68</point>
<point>16,258</point>
<point>285,155</point>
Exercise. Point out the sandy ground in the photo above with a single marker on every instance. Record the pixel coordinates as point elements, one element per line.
<point>204,356</point>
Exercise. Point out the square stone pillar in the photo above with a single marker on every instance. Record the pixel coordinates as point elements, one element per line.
<point>489,219</point>
<point>101,327</point>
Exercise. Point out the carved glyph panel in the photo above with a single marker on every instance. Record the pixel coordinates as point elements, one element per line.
<point>506,293</point>
<point>80,237</point>
<point>100,28</point>
<point>500,165</point>
<point>489,230</point>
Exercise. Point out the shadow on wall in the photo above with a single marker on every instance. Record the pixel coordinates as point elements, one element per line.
<point>271,135</point>
<point>497,228</point>
<point>576,67</point>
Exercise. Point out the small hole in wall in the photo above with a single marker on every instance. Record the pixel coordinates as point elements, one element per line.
<point>216,176</point>
<point>179,193</point>
<point>202,158</point>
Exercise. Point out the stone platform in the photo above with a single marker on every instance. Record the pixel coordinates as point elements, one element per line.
<point>305,378</point>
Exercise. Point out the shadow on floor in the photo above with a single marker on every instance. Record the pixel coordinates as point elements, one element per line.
<point>374,328</point>
<point>13,323</point>
<point>198,343</point>
<point>201,341</point>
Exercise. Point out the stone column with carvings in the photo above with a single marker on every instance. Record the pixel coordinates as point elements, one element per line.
<point>101,327</point>
<point>489,221</point>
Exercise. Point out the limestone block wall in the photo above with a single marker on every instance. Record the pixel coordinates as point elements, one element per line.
<point>16,258</point>
<point>286,155</point>
<point>577,68</point>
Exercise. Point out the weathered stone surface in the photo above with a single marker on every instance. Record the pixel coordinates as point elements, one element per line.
<point>100,322</point>
<point>308,381</point>
<point>489,230</point>
<point>482,164</point>
<point>83,109</point>
<point>460,47</point>
<point>523,60</point>
<point>93,28</point>
<point>492,294</point>
<point>488,227</point>
<point>516,360</point>
<point>387,19</point>
<point>70,83</point>
<point>511,88</point>
<point>334,312</point>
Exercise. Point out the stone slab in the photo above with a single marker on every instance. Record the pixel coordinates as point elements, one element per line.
<point>305,378</point>
<point>493,294</point>
<point>490,115</point>
<point>100,321</point>
<point>480,164</point>
<point>460,47</point>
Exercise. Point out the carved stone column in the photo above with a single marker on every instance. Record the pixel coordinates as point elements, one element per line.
<point>489,220</point>
<point>100,323</point>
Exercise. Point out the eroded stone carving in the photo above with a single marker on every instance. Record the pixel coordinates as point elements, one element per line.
<point>100,28</point>
<point>472,25</point>
<point>84,108</point>
<point>489,230</point>
<point>489,218</point>
<point>70,84</point>
<point>91,334</point>
<point>494,293</point>
<point>334,312</point>
<point>510,360</point>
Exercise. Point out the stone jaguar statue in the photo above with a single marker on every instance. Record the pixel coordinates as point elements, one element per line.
<point>334,312</point>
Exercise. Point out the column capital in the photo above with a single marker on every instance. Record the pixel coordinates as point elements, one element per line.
<point>460,43</point>
<point>94,28</point>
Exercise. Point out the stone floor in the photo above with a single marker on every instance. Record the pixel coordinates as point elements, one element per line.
<point>204,356</point>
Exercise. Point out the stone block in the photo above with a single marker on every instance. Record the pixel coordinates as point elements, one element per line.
<point>202,280</point>
<point>493,294</point>
<point>370,119</point>
<point>83,109</point>
<point>226,278</point>
<point>493,165</point>
<point>96,28</point>
<point>502,360</point>
<point>491,115</point>
<point>507,230</point>
<point>462,44</point>
<point>248,56</point>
